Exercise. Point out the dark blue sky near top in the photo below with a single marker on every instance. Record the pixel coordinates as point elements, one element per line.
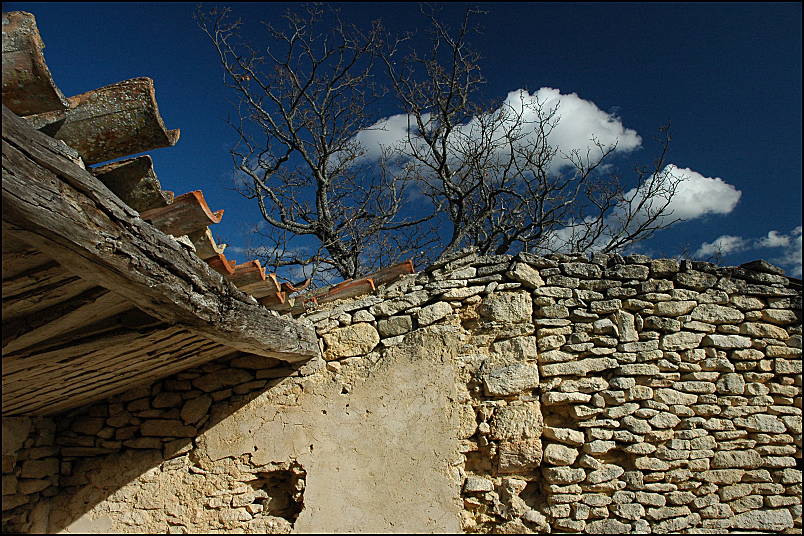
<point>727,77</point>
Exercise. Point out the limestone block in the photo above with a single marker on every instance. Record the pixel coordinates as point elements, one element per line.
<point>606,473</point>
<point>732,383</point>
<point>578,368</point>
<point>683,340</point>
<point>627,271</point>
<point>507,307</point>
<point>526,275</point>
<point>722,476</point>
<point>726,342</point>
<point>28,486</point>
<point>564,475</point>
<point>512,379</point>
<point>554,398</point>
<point>584,385</point>
<point>717,314</point>
<point>516,349</point>
<point>787,366</point>
<point>759,329</point>
<point>664,420</point>
<point>433,313</point>
<point>564,435</point>
<point>517,422</point>
<point>608,526</point>
<point>39,468</point>
<point>9,485</point>
<point>581,269</point>
<point>87,425</point>
<point>15,432</point>
<point>457,294</point>
<point>761,423</point>
<point>474,484</point>
<point>396,325</point>
<point>355,340</point>
<point>674,308</point>
<point>625,325</point>
<point>166,399</point>
<point>764,520</point>
<point>743,459</point>
<point>397,305</point>
<point>557,454</point>
<point>519,456</point>
<point>599,446</point>
<point>695,280</point>
<point>632,511</point>
<point>778,316</point>
<point>195,409</point>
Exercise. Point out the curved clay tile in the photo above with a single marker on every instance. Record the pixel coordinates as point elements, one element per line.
<point>188,214</point>
<point>275,300</point>
<point>205,245</point>
<point>134,181</point>
<point>107,123</point>
<point>221,264</point>
<point>348,289</point>
<point>28,87</point>
<point>296,287</point>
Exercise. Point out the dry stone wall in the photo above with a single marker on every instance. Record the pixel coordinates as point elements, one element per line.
<point>610,395</point>
<point>486,394</point>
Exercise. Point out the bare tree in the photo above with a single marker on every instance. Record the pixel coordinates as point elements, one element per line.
<point>303,99</point>
<point>494,170</point>
<point>489,172</point>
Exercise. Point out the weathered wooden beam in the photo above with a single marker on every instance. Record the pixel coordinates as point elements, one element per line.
<point>64,210</point>
<point>100,368</point>
<point>134,181</point>
<point>28,87</point>
<point>19,256</point>
<point>109,122</point>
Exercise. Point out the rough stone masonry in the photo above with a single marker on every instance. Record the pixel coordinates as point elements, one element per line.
<point>486,394</point>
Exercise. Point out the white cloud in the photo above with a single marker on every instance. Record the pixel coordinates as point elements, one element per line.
<point>775,240</point>
<point>694,196</point>
<point>723,245</point>
<point>581,122</point>
<point>790,257</point>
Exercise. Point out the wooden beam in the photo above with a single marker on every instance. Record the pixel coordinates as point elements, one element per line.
<point>65,211</point>
<point>96,369</point>
<point>73,315</point>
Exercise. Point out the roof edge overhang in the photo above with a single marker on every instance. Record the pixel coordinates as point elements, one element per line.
<point>55,205</point>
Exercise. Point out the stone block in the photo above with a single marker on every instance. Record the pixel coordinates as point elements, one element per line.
<point>511,379</point>
<point>519,456</point>
<point>354,340</point>
<point>507,307</point>
<point>517,422</point>
<point>557,454</point>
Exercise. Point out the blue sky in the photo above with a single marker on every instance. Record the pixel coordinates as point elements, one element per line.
<point>727,76</point>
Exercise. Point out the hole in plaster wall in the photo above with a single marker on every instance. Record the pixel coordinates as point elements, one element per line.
<point>280,493</point>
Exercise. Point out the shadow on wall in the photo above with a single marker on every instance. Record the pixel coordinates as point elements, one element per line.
<point>130,463</point>
<point>366,445</point>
